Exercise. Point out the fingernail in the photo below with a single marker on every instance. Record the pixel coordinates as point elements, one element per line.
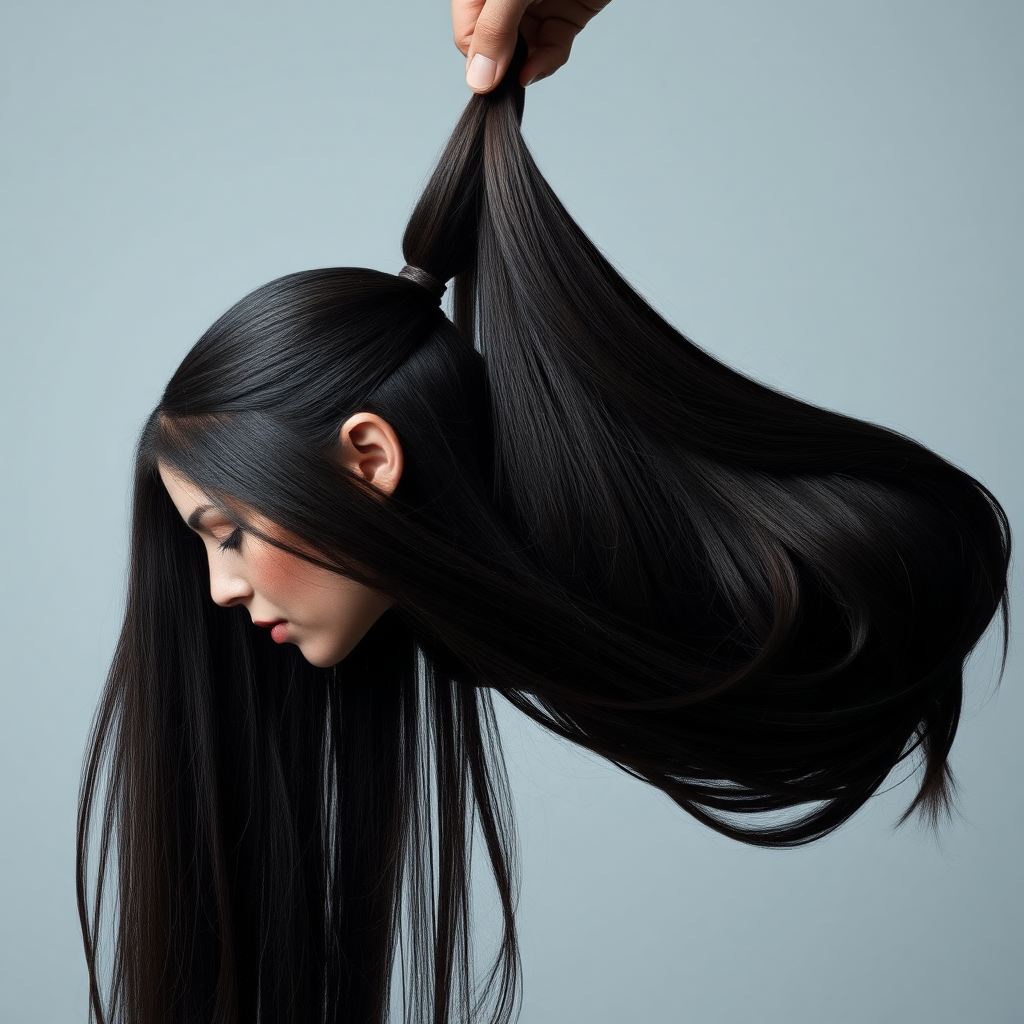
<point>480,74</point>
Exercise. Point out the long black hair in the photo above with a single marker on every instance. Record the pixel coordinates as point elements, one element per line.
<point>756,605</point>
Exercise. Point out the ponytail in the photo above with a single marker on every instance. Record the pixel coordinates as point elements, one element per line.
<point>808,584</point>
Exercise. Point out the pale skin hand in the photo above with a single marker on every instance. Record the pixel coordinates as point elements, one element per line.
<point>486,30</point>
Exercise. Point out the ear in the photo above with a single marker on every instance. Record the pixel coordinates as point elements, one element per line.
<point>371,449</point>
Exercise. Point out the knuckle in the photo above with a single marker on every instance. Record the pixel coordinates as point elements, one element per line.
<point>489,36</point>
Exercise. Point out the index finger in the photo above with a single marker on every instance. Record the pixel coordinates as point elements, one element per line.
<point>464,17</point>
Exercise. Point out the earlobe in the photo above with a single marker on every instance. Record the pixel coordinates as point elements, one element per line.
<point>370,448</point>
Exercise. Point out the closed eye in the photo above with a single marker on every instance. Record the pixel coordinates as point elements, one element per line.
<point>233,541</point>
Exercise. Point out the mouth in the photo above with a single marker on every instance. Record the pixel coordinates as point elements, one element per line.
<point>278,629</point>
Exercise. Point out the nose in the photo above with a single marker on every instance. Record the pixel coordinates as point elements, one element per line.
<point>227,588</point>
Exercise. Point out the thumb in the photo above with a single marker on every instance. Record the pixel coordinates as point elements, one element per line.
<point>493,43</point>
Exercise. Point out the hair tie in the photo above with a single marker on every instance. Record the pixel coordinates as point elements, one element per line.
<point>419,276</point>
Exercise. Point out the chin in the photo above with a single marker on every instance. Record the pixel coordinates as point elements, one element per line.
<point>321,660</point>
<point>329,654</point>
<point>324,658</point>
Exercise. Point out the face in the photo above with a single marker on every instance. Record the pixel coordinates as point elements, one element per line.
<point>324,613</point>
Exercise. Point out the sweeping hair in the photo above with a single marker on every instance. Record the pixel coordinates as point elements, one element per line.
<point>758,606</point>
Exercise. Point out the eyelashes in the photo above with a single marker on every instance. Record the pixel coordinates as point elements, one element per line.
<point>233,541</point>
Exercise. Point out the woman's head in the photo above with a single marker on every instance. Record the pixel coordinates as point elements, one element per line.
<point>315,410</point>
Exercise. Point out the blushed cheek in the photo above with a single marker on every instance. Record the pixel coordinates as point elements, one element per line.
<point>279,575</point>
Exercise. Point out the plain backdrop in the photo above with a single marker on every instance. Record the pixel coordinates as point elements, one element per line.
<point>827,195</point>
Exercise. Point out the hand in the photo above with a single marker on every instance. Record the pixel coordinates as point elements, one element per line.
<point>486,30</point>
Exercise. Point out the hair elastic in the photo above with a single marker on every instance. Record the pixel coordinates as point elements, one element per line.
<point>424,280</point>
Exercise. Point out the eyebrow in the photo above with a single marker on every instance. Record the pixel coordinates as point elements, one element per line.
<point>194,519</point>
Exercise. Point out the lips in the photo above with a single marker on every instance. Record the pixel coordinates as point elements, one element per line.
<point>278,629</point>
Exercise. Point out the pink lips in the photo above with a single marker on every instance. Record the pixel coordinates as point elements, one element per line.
<point>278,630</point>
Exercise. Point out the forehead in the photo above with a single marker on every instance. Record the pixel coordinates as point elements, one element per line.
<point>183,492</point>
<point>188,496</point>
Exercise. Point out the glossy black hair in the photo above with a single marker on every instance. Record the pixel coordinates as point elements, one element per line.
<point>756,605</point>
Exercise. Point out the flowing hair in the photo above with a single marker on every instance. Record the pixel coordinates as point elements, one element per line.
<point>758,606</point>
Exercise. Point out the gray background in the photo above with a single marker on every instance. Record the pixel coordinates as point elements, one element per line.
<point>825,194</point>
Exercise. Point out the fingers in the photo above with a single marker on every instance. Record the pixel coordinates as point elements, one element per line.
<point>486,31</point>
<point>550,49</point>
<point>495,24</point>
<point>464,15</point>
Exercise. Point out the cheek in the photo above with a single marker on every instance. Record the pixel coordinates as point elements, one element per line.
<point>279,574</point>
